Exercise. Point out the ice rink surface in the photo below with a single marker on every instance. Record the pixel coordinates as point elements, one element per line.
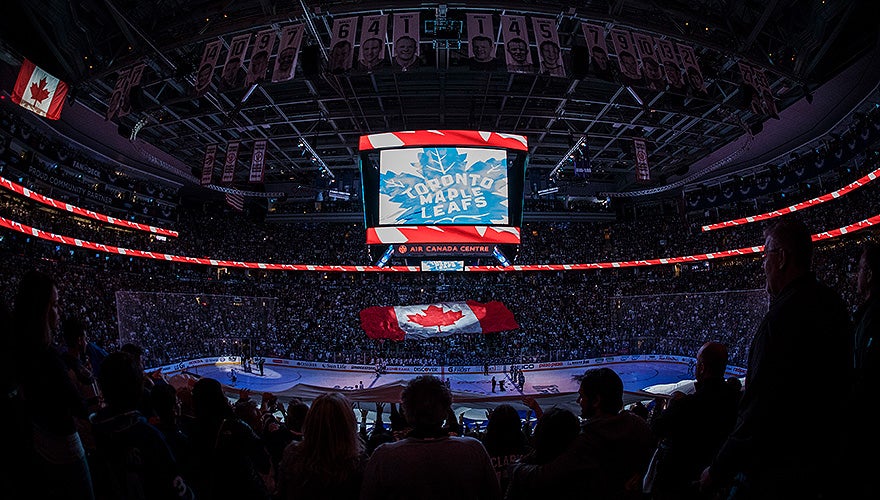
<point>550,383</point>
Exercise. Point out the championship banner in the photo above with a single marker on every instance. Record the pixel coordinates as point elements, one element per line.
<point>231,78</point>
<point>208,164</point>
<point>406,40</point>
<point>258,158</point>
<point>595,36</point>
<point>231,160</point>
<point>625,49</point>
<point>115,103</point>
<point>481,38</point>
<point>549,53</point>
<point>643,173</point>
<point>288,52</point>
<point>671,68</point>
<point>372,42</point>
<point>133,80</point>
<point>436,320</point>
<point>693,75</point>
<point>342,44</point>
<point>206,67</point>
<point>516,44</point>
<point>263,42</point>
<point>651,68</point>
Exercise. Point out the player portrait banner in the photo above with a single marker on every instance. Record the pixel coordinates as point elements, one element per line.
<point>646,48</point>
<point>643,173</point>
<point>372,41</point>
<point>419,322</point>
<point>206,67</point>
<point>116,97</point>
<point>231,160</point>
<point>625,49</point>
<point>208,164</point>
<point>549,52</point>
<point>694,76</point>
<point>517,54</point>
<point>288,52</point>
<point>258,159</point>
<point>133,80</point>
<point>229,78</point>
<point>38,91</point>
<point>263,42</point>
<point>481,37</point>
<point>342,44</point>
<point>595,36</point>
<point>671,67</point>
<point>406,36</point>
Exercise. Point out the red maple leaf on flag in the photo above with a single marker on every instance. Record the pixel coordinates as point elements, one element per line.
<point>434,316</point>
<point>39,92</point>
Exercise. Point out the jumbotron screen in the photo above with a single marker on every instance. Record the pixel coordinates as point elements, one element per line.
<point>443,186</point>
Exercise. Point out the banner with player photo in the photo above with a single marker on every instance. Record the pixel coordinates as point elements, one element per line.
<point>230,77</point>
<point>208,164</point>
<point>517,53</point>
<point>206,67</point>
<point>288,52</point>
<point>342,40</point>
<point>231,161</point>
<point>595,36</point>
<point>133,80</point>
<point>643,173</point>
<point>671,67</point>
<point>374,30</point>
<point>627,60</point>
<point>693,75</point>
<point>258,159</point>
<point>549,52</point>
<point>406,36</point>
<point>263,42</point>
<point>651,68</point>
<point>481,38</point>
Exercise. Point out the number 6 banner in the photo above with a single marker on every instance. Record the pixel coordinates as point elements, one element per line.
<point>342,44</point>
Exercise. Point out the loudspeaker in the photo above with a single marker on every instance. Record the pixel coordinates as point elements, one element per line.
<point>310,60</point>
<point>580,61</point>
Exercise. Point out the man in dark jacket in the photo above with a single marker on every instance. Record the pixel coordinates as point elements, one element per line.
<point>775,451</point>
<point>693,426</point>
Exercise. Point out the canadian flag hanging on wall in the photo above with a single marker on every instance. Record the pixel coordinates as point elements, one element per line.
<point>39,91</point>
<point>436,320</point>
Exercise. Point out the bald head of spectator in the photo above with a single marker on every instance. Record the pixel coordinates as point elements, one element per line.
<point>711,361</point>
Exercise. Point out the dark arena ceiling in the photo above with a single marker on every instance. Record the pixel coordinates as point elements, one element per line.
<point>803,47</point>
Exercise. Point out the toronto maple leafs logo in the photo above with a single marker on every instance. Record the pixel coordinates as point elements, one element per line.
<point>443,185</point>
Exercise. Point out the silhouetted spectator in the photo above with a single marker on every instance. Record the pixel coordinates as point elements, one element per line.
<point>504,440</point>
<point>59,466</point>
<point>775,453</point>
<point>329,461</point>
<point>225,447</point>
<point>132,460</point>
<point>429,463</point>
<point>693,426</point>
<point>608,457</point>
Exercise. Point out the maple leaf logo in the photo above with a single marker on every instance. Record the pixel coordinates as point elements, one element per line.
<point>434,316</point>
<point>39,92</point>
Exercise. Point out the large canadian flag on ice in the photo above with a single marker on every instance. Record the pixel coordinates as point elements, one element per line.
<point>436,320</point>
<point>39,91</point>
